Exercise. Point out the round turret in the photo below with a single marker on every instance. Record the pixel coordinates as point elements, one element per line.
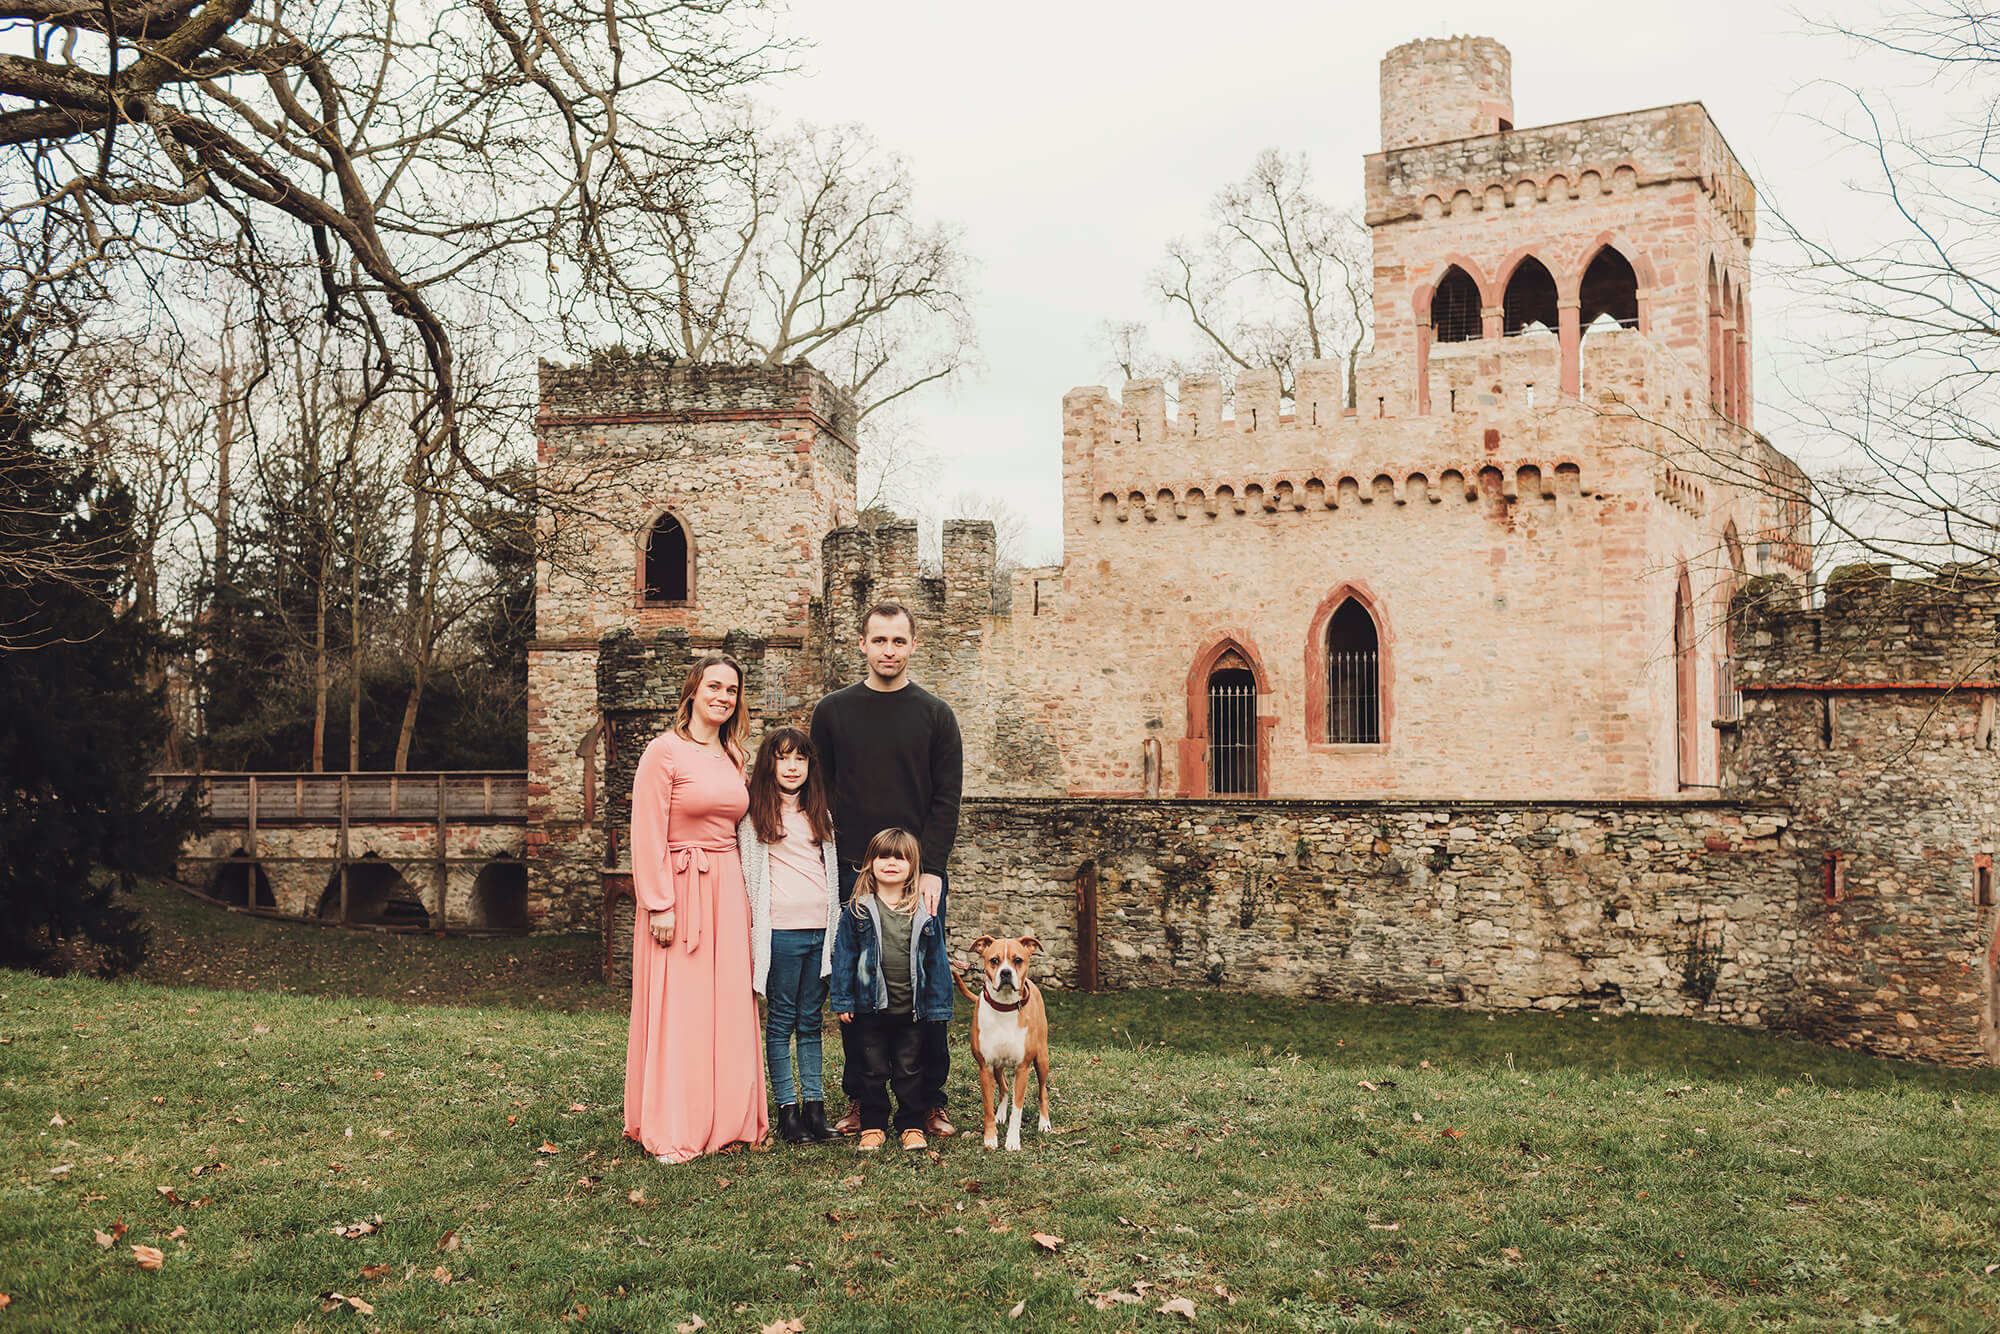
<point>1444,88</point>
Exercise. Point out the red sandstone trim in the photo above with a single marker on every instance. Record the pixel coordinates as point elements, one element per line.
<point>1316,670</point>
<point>1194,745</point>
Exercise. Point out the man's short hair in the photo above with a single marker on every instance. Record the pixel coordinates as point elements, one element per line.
<point>889,609</point>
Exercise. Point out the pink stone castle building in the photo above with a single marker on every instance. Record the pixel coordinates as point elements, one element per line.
<point>1502,571</point>
<point>1496,684</point>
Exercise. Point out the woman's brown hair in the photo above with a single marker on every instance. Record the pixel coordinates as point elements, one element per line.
<point>732,729</point>
<point>767,798</point>
<point>891,843</point>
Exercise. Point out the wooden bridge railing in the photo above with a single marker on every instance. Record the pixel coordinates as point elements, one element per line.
<point>456,796</point>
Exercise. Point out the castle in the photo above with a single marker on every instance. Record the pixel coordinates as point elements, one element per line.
<point>1453,675</point>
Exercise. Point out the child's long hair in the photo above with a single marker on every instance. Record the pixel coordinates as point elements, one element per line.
<point>731,733</point>
<point>892,843</point>
<point>766,797</point>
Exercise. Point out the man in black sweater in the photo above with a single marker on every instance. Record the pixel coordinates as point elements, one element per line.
<point>890,755</point>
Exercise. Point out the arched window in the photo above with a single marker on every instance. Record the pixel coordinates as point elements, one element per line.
<point>1353,677</point>
<point>1455,308</point>
<point>1610,292</point>
<point>669,562</point>
<point>1232,727</point>
<point>1530,300</point>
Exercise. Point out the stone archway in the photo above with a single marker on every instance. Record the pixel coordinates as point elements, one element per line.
<point>377,895</point>
<point>241,882</point>
<point>498,900</point>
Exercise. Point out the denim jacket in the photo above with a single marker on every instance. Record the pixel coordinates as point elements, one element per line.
<point>857,983</point>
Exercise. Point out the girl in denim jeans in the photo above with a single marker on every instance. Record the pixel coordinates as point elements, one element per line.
<point>793,875</point>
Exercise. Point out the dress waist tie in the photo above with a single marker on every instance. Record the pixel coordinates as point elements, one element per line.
<point>693,876</point>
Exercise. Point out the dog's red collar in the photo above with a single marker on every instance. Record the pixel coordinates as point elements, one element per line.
<point>1004,1009</point>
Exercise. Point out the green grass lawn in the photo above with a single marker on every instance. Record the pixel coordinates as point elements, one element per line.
<point>1518,1172</point>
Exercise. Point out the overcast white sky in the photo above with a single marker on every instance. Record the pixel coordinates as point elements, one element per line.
<point>1070,140</point>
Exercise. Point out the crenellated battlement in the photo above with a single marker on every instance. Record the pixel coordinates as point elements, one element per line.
<point>1465,484</point>
<point>1572,162</point>
<point>863,567</point>
<point>1870,629</point>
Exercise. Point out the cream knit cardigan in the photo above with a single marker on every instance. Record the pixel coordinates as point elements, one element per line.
<point>757,879</point>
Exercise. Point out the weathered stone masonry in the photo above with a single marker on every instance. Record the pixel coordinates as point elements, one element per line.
<point>1548,523</point>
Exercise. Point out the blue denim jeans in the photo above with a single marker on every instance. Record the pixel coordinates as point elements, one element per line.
<point>795,1000</point>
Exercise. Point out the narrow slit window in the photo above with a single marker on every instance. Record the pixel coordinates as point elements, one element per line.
<point>668,568</point>
<point>1353,677</point>
<point>1232,732</point>
<point>1455,308</point>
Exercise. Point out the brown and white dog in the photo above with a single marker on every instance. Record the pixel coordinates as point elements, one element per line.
<point>1010,1031</point>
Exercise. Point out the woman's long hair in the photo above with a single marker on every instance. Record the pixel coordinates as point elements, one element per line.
<point>732,727</point>
<point>893,843</point>
<point>766,797</point>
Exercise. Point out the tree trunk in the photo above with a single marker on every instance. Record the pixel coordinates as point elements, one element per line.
<point>354,631</point>
<point>423,639</point>
<point>319,665</point>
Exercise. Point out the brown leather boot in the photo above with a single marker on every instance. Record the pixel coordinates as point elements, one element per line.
<point>849,1122</point>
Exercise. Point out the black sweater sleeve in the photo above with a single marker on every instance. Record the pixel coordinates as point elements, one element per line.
<point>947,787</point>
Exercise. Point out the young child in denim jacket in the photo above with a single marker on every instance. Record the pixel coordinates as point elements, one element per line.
<point>890,972</point>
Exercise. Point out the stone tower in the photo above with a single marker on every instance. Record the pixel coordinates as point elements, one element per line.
<point>686,500</point>
<point>1447,88</point>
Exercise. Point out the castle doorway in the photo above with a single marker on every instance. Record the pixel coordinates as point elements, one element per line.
<point>1232,728</point>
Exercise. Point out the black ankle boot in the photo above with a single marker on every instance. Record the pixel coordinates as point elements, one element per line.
<point>790,1129</point>
<point>813,1116</point>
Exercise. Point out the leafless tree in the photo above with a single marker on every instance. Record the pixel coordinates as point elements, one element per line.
<point>813,248</point>
<point>412,157</point>
<point>1902,400</point>
<point>1279,278</point>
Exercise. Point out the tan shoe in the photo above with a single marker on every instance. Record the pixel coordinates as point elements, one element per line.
<point>914,1139</point>
<point>849,1122</point>
<point>939,1124</point>
<point>871,1140</point>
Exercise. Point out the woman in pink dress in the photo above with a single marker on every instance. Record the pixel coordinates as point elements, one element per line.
<point>694,1077</point>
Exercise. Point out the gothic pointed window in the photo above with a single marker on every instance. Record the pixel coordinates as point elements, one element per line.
<point>1455,308</point>
<point>1530,301</point>
<point>1232,728</point>
<point>669,561</point>
<point>1353,677</point>
<point>1610,292</point>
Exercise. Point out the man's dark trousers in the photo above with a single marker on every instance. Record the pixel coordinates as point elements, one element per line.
<point>935,1033</point>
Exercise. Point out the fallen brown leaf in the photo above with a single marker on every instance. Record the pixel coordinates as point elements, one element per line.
<point>579,1107</point>
<point>149,1257</point>
<point>57,1120</point>
<point>167,1193</point>
<point>722,1183</point>
<point>361,1229</point>
<point>791,1326</point>
<point>1225,1294</point>
<point>449,1241</point>
<point>441,1274</point>
<point>5,1300</point>
<point>1449,1133</point>
<point>850,1181</point>
<point>1020,1306</point>
<point>1511,1252</point>
<point>372,1272</point>
<point>1385,1227</point>
<point>691,1325</point>
<point>1180,1306</point>
<point>177,1234</point>
<point>548,1148</point>
<point>105,1239</point>
<point>1045,1241</point>
<point>635,1197</point>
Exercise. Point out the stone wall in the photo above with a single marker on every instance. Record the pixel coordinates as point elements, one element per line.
<point>1872,716</point>
<point>301,867</point>
<point>1659,907</point>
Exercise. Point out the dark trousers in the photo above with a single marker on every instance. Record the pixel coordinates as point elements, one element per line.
<point>890,1048</point>
<point>934,1035</point>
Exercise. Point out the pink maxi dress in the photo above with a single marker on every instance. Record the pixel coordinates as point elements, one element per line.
<point>694,1068</point>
